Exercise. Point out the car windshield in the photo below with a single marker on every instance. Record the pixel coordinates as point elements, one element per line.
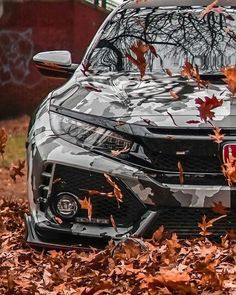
<point>175,33</point>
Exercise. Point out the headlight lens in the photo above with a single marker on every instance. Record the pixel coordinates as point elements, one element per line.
<point>89,135</point>
<point>66,206</point>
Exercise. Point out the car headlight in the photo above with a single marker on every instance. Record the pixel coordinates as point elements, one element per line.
<point>88,135</point>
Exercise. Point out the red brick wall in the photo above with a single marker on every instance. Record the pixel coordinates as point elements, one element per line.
<point>33,26</point>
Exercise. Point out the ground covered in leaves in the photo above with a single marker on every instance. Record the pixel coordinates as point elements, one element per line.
<point>162,265</point>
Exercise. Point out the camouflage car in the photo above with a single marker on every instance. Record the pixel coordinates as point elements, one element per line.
<point>143,132</point>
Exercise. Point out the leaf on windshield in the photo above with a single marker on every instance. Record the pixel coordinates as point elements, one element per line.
<point>140,49</point>
<point>230,74</point>
<point>192,72</point>
<point>218,136</point>
<point>205,107</point>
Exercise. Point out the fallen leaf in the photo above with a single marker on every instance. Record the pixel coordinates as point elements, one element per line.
<point>218,136</point>
<point>3,140</point>
<point>17,170</point>
<point>86,204</point>
<point>181,172</point>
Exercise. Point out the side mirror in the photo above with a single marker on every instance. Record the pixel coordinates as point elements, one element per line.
<point>55,63</point>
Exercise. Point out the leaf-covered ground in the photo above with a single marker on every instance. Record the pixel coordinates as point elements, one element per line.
<point>158,266</point>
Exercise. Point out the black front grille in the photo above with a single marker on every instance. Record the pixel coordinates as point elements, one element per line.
<point>184,221</point>
<point>168,162</point>
<point>79,181</point>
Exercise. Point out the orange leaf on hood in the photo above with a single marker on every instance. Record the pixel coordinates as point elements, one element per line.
<point>205,107</point>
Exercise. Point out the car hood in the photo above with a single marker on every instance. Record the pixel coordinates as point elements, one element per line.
<point>124,97</point>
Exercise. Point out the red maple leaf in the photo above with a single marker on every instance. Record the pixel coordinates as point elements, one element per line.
<point>140,49</point>
<point>205,107</point>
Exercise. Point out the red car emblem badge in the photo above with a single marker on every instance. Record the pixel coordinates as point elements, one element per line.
<point>229,151</point>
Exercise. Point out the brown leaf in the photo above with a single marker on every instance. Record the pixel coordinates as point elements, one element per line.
<point>219,208</point>
<point>181,172</point>
<point>207,224</point>
<point>157,235</point>
<point>205,107</point>
<point>17,170</point>
<point>230,74</point>
<point>229,170</point>
<point>140,49</point>
<point>86,204</point>
<point>3,140</point>
<point>211,8</point>
<point>113,223</point>
<point>218,136</point>
<point>117,191</point>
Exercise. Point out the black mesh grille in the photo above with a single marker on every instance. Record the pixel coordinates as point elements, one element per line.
<point>184,221</point>
<point>168,162</point>
<point>78,181</point>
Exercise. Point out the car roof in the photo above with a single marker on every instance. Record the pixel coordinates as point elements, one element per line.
<point>180,3</point>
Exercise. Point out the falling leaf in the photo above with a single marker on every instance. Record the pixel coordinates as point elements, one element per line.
<point>116,153</point>
<point>169,72</point>
<point>86,204</point>
<point>218,136</point>
<point>207,224</point>
<point>181,172</point>
<point>200,82</point>
<point>3,140</point>
<point>211,8</point>
<point>117,191</point>
<point>140,49</point>
<point>230,74</point>
<point>153,50</point>
<point>219,208</point>
<point>174,95</point>
<point>17,170</point>
<point>113,223</point>
<point>229,170</point>
<point>205,107</point>
<point>157,235</point>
